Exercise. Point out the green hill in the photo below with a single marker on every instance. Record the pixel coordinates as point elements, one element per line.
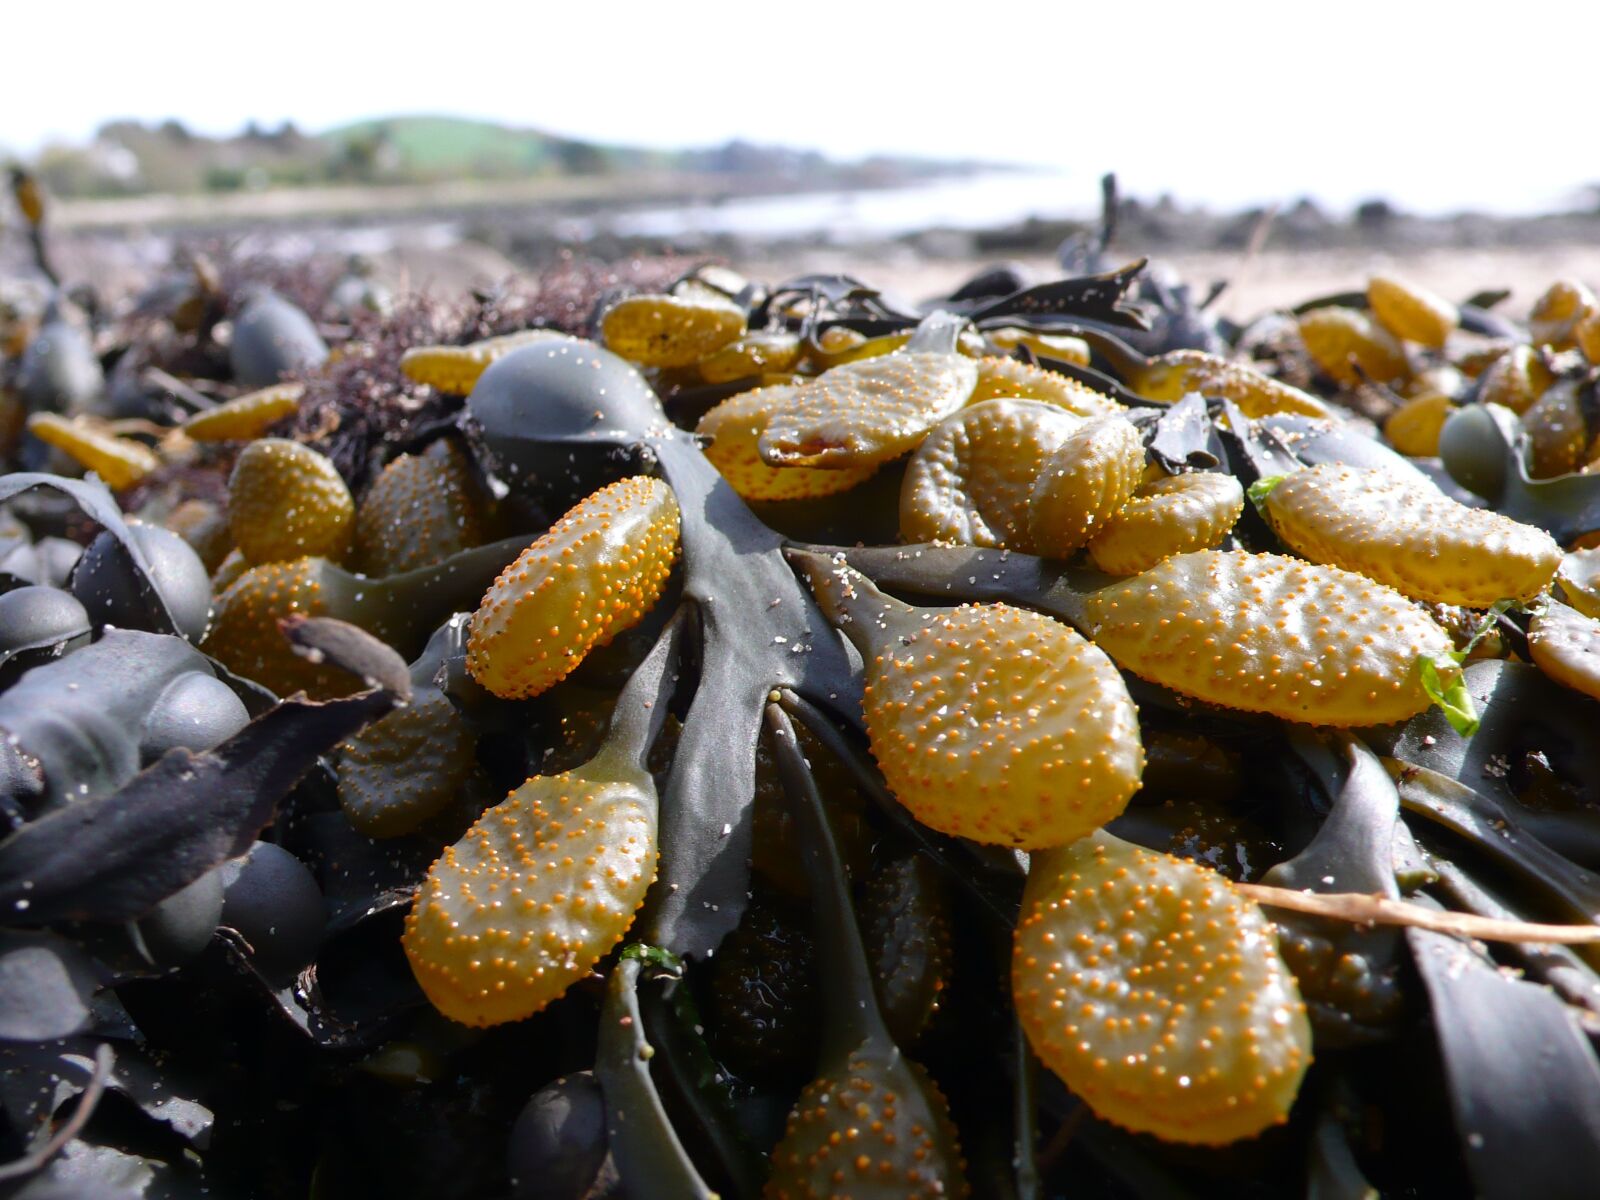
<point>453,147</point>
<point>132,157</point>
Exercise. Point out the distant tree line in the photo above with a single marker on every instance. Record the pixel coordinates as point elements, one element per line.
<point>131,157</point>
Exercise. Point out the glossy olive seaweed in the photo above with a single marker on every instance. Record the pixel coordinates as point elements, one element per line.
<point>759,628</point>
<point>403,769</point>
<point>762,994</point>
<point>272,338</point>
<point>96,503</point>
<point>1346,974</point>
<point>334,1071</point>
<point>196,711</point>
<point>59,371</point>
<point>112,856</point>
<point>179,927</point>
<point>107,583</point>
<point>558,1142</point>
<point>272,901</point>
<point>905,916</point>
<point>1485,449</point>
<point>910,1146</point>
<point>1490,1028</point>
<point>38,624</point>
<point>83,716</point>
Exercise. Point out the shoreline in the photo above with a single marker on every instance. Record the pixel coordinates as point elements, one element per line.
<point>449,237</point>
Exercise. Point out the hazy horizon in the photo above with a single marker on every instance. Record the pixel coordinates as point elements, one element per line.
<point>1435,108</point>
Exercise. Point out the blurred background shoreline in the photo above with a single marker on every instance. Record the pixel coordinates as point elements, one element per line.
<point>443,204</point>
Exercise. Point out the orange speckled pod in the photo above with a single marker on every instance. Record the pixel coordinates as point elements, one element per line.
<point>1557,432</point>
<point>121,462</point>
<point>671,331</point>
<point>1565,645</point>
<point>847,346</point>
<point>1411,536</point>
<point>1410,312</point>
<point>1268,633</point>
<point>970,481</point>
<point>1084,485</point>
<point>1413,428</point>
<point>867,412</point>
<point>594,574</point>
<point>1515,379</point>
<point>1586,333</point>
<point>286,501</point>
<point>1557,312</point>
<point>989,722</point>
<point>1011,378</point>
<point>421,509</point>
<point>244,634</point>
<point>1157,993</point>
<point>1059,346</point>
<point>405,767</point>
<point>536,892</point>
<point>204,525</point>
<point>834,345</point>
<point>1031,744</point>
<point>1340,340</point>
<point>877,1129</point>
<point>753,354</point>
<point>454,370</point>
<point>1579,577</point>
<point>1174,375</point>
<point>735,427</point>
<point>248,416</point>
<point>546,882</point>
<point>1168,517</point>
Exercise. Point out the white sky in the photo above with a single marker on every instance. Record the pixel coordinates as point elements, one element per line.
<point>1437,105</point>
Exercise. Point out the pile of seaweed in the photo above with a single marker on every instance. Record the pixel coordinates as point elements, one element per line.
<point>232,773</point>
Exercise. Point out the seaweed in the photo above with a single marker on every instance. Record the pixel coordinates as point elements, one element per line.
<point>758,628</point>
<point>1522,1077</point>
<point>1486,450</point>
<point>328,1067</point>
<point>114,856</point>
<point>96,503</point>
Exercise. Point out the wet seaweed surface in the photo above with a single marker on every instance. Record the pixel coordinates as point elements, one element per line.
<point>221,840</point>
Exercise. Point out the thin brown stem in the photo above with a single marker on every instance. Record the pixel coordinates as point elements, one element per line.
<point>187,396</point>
<point>1360,908</point>
<point>1062,1138</point>
<point>35,1160</point>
